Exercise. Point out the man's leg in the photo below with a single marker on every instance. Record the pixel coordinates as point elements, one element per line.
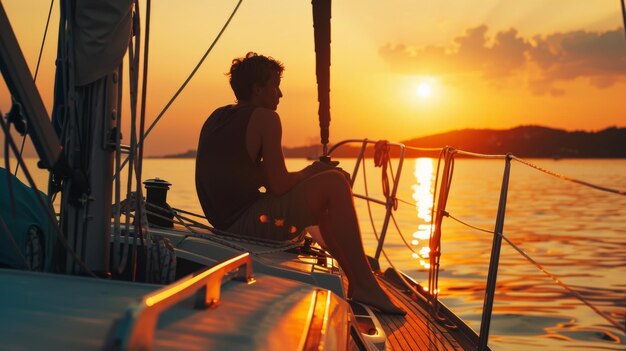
<point>329,198</point>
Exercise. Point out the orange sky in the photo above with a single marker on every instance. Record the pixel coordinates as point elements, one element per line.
<point>480,64</point>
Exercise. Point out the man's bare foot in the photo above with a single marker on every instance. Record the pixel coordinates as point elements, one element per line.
<point>378,300</point>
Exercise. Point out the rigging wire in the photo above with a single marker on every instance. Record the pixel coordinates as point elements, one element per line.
<point>278,246</point>
<point>566,178</point>
<point>545,271</point>
<point>552,173</point>
<point>43,42</point>
<point>139,223</point>
<point>189,213</point>
<point>406,243</point>
<point>142,113</point>
<point>144,83</point>
<point>117,186</point>
<point>7,165</point>
<point>182,87</point>
<point>131,197</point>
<point>369,208</point>
<point>547,171</point>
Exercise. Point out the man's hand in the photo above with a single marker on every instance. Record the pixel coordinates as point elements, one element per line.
<point>317,167</point>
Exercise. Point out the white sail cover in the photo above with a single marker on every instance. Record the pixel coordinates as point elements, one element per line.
<point>102,30</point>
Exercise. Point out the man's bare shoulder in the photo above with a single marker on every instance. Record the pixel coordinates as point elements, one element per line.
<point>265,118</point>
<point>264,114</point>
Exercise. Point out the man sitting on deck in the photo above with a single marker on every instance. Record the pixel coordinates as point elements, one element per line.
<point>240,150</point>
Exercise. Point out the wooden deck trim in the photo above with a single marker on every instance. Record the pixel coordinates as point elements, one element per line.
<point>418,330</point>
<point>430,334</point>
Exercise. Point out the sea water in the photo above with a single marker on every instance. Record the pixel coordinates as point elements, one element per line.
<point>575,233</point>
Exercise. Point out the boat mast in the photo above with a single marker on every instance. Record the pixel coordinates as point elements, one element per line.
<point>86,102</point>
<point>321,27</point>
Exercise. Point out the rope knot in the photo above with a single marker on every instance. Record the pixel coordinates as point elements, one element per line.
<point>381,159</point>
<point>381,153</point>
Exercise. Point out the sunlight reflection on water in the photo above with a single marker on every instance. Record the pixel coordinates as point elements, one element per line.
<point>423,197</point>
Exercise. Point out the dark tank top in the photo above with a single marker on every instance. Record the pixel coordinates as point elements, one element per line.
<point>227,180</point>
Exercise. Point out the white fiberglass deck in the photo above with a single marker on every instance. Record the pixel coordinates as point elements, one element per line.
<point>57,312</point>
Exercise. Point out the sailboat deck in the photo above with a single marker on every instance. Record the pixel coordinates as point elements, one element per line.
<point>418,330</point>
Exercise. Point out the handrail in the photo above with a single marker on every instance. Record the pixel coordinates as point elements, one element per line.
<point>136,330</point>
<point>364,141</point>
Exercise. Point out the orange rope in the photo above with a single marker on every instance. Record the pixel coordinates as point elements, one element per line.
<point>382,159</point>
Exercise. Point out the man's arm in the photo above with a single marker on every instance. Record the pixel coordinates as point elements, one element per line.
<point>279,180</point>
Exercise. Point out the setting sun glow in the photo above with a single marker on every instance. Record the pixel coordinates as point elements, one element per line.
<point>433,66</point>
<point>424,90</point>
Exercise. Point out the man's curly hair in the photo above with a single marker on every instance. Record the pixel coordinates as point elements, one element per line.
<point>249,70</point>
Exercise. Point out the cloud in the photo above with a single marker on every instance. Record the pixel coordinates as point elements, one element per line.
<point>541,61</point>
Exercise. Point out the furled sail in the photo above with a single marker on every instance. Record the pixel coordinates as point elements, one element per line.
<point>102,30</point>
<point>321,25</point>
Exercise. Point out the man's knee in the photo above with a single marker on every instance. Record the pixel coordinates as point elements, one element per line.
<point>335,182</point>
<point>326,184</point>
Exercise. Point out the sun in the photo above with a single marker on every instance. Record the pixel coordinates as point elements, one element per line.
<point>424,90</point>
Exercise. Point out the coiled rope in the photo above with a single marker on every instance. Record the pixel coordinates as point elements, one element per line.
<point>434,242</point>
<point>383,160</point>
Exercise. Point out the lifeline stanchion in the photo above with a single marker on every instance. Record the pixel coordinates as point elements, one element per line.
<point>495,259</point>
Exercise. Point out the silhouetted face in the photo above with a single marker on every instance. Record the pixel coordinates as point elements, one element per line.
<point>269,95</point>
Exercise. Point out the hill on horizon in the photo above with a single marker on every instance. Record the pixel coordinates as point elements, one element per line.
<point>532,141</point>
<point>522,141</point>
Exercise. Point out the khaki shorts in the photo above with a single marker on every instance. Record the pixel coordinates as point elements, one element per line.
<point>277,218</point>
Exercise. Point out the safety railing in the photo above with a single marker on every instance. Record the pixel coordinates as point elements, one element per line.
<point>442,186</point>
<point>136,330</point>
